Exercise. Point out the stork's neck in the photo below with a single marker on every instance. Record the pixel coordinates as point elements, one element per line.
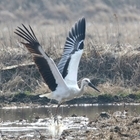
<point>82,86</point>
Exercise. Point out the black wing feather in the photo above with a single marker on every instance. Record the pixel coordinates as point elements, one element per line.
<point>45,71</point>
<point>32,45</point>
<point>76,35</point>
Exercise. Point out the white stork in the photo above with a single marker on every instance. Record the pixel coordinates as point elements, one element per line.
<point>61,79</point>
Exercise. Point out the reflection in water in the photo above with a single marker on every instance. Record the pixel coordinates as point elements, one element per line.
<point>90,111</point>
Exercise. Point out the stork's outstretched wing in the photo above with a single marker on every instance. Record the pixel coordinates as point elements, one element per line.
<point>45,64</point>
<point>68,65</point>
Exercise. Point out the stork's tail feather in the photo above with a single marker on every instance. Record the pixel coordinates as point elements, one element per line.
<point>48,95</point>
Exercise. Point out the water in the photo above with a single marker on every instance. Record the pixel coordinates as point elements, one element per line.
<point>20,122</point>
<point>92,111</point>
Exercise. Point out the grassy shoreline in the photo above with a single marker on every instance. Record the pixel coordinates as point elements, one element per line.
<point>24,99</point>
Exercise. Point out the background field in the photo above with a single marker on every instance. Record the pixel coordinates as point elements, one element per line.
<point>112,47</point>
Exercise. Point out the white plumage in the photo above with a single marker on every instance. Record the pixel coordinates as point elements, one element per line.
<point>61,79</point>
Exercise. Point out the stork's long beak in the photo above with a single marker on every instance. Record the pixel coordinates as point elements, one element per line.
<point>91,85</point>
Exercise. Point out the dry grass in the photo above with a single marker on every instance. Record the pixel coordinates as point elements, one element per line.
<point>111,56</point>
<point>111,64</point>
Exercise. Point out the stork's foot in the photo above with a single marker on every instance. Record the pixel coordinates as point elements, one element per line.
<point>55,116</point>
<point>56,119</point>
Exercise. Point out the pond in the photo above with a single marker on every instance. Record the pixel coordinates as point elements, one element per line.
<point>90,111</point>
<point>35,123</point>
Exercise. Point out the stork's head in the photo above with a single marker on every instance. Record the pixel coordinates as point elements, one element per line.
<point>87,82</point>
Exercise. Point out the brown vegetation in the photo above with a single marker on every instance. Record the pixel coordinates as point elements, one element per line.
<point>112,54</point>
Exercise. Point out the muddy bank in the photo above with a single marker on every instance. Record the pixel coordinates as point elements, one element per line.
<point>35,99</point>
<point>107,126</point>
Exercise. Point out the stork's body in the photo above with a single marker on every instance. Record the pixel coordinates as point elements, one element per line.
<point>61,79</point>
<point>71,92</point>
